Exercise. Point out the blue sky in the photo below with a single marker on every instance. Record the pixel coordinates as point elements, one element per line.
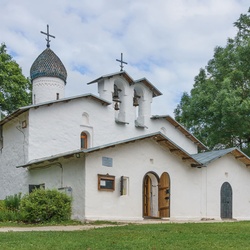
<point>165,41</point>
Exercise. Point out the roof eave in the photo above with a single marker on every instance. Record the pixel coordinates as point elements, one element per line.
<point>181,129</point>
<point>206,158</point>
<point>23,109</point>
<point>120,73</point>
<point>146,82</point>
<point>158,137</point>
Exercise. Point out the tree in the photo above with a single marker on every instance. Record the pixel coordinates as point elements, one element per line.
<point>217,110</point>
<point>14,87</point>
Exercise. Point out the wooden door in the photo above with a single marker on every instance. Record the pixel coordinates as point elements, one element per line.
<point>226,195</point>
<point>164,195</point>
<point>147,196</point>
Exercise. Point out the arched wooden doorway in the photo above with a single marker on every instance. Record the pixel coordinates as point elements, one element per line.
<point>164,195</point>
<point>150,195</point>
<point>156,195</point>
<point>226,198</point>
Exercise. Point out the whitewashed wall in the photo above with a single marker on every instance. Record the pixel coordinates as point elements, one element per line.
<point>56,128</point>
<point>195,192</point>
<point>13,153</point>
<point>66,174</point>
<point>227,169</point>
<point>134,160</point>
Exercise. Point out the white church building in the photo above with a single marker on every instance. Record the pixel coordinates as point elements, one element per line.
<point>113,157</point>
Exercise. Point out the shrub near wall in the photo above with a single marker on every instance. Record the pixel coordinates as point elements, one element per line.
<point>43,205</point>
<point>12,202</point>
<point>9,208</point>
<point>2,206</point>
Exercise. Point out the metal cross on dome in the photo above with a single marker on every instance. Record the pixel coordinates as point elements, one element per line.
<point>48,35</point>
<point>121,61</point>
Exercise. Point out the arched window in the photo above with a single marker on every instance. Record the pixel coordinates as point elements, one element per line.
<point>84,140</point>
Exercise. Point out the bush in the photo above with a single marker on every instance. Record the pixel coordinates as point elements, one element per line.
<point>12,202</point>
<point>43,205</point>
<point>11,215</point>
<point>9,208</point>
<point>2,205</point>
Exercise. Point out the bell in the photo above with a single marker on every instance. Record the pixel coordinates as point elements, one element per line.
<point>116,94</point>
<point>115,98</point>
<point>116,106</point>
<point>135,101</point>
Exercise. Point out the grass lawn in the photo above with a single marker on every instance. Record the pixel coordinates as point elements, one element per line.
<point>226,235</point>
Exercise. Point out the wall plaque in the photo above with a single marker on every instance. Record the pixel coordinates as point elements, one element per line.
<point>107,161</point>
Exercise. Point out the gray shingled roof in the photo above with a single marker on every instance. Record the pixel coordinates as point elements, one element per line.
<point>207,157</point>
<point>48,64</point>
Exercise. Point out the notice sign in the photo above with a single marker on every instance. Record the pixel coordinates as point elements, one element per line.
<point>107,162</point>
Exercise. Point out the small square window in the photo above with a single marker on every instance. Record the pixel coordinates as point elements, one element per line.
<point>106,182</point>
<point>33,187</point>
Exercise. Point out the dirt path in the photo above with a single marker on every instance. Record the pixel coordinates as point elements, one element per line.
<point>54,228</point>
<point>91,226</point>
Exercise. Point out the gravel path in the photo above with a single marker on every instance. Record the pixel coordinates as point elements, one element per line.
<point>91,226</point>
<point>53,228</point>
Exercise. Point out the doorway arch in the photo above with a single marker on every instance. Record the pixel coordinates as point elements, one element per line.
<point>226,199</point>
<point>150,195</point>
<point>156,195</point>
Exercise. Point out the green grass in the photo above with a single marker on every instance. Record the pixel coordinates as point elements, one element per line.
<point>40,224</point>
<point>227,235</point>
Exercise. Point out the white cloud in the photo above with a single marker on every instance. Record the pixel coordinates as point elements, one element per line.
<point>165,41</point>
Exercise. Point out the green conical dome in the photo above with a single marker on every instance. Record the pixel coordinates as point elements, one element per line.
<point>48,64</point>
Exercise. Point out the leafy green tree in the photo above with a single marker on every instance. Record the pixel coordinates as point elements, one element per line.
<point>14,87</point>
<point>217,110</point>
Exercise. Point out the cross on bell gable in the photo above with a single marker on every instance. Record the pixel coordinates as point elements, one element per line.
<point>48,36</point>
<point>121,61</point>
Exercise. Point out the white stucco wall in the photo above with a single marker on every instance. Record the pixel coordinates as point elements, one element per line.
<point>68,173</point>
<point>13,153</point>
<point>134,160</point>
<point>227,169</point>
<point>128,113</point>
<point>56,128</point>
<point>194,192</point>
